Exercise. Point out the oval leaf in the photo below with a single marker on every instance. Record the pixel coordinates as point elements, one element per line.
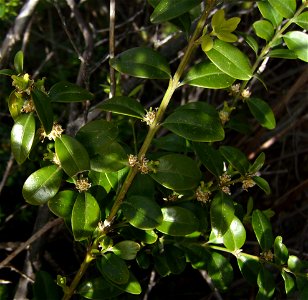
<point>42,185</point>
<point>142,212</point>
<point>22,137</point>
<point>282,53</point>
<point>113,268</point>
<point>289,282</point>
<point>170,9</point>
<point>266,284</point>
<point>262,229</point>
<point>286,7</point>
<point>230,60</point>
<point>15,104</point>
<point>280,251</point>
<point>45,287</point>
<point>73,156</point>
<point>207,75</point>
<point>142,62</point>
<point>176,259</point>
<point>124,106</point>
<point>62,204</point>
<point>258,163</point>
<point>302,20</point>
<point>178,221</point>
<point>269,13</point>
<point>249,268</point>
<point>297,41</point>
<point>235,237</point>
<point>198,122</point>
<point>85,216</point>
<point>19,62</point>
<point>43,109</point>
<point>263,29</point>
<point>68,92</point>
<point>126,249</point>
<point>262,184</point>
<point>177,172</point>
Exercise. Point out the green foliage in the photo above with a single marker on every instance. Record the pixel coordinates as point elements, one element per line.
<point>166,195</point>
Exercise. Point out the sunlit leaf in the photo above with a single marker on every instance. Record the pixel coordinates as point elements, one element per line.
<point>286,7</point>
<point>270,13</point>
<point>263,29</point>
<point>235,236</point>
<point>62,204</point>
<point>19,62</point>
<point>297,41</point>
<point>302,20</point>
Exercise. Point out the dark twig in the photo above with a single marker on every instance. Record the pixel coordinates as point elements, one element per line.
<point>6,172</point>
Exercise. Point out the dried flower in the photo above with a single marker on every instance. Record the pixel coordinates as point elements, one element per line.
<point>82,184</point>
<point>267,255</point>
<point>54,133</point>
<point>247,183</point>
<point>28,107</point>
<point>150,116</point>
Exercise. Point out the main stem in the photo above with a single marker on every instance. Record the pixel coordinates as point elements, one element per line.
<point>173,84</point>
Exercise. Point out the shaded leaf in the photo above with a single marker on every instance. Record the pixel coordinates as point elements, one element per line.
<point>7,72</point>
<point>302,20</point>
<point>258,163</point>
<point>282,53</point>
<point>289,282</point>
<point>19,62</point>
<point>269,13</point>
<point>280,251</point>
<point>266,284</point>
<point>263,29</point>
<point>45,287</point>
<point>262,184</point>
<point>249,268</point>
<point>126,249</point>
<point>286,8</point>
<point>62,204</point>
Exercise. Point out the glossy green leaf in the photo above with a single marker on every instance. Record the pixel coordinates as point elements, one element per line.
<point>85,216</point>
<point>43,109</point>
<point>64,91</point>
<point>97,134</point>
<point>140,235</point>
<point>269,13</point>
<point>142,184</point>
<point>197,255</point>
<point>171,142</point>
<point>262,229</point>
<point>280,251</point>
<point>15,104</point>
<point>210,158</point>
<point>262,184</point>
<point>113,268</point>
<point>258,163</point>
<point>236,158</point>
<point>230,60</point>
<point>207,75</point>
<point>142,62</point>
<point>220,271</point>
<point>178,221</point>
<point>170,9</point>
<point>62,204</point>
<point>7,72</point>
<point>297,41</point>
<point>45,287</point>
<point>262,112</point>
<point>177,172</point>
<point>98,288</point>
<point>251,42</point>
<point>263,29</point>
<point>266,284</point>
<point>249,268</point>
<point>286,7</point>
<point>126,249</point>
<point>289,282</point>
<point>124,106</point>
<point>73,156</point>
<point>161,264</point>
<point>302,20</point>
<point>19,62</point>
<point>235,236</point>
<point>294,263</point>
<point>131,287</point>
<point>42,185</point>
<point>175,259</point>
<point>197,121</point>
<point>221,213</point>
<point>109,159</point>
<point>282,53</point>
<point>142,212</point>
<point>22,137</point>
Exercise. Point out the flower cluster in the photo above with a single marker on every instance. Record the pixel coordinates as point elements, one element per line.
<point>142,164</point>
<point>267,255</point>
<point>150,116</point>
<point>28,107</point>
<point>203,192</point>
<point>247,183</point>
<point>82,184</point>
<point>224,179</point>
<point>54,133</point>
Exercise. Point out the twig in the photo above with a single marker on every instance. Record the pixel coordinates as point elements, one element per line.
<point>208,279</point>
<point>33,238</point>
<point>7,171</point>
<point>151,284</point>
<point>16,31</point>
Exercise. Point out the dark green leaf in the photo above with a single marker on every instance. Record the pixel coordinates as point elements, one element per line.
<point>210,158</point>
<point>62,204</point>
<point>19,62</point>
<point>262,184</point>
<point>196,121</point>
<point>252,43</point>
<point>297,41</point>
<point>197,255</point>
<point>262,112</point>
<point>263,29</point>
<point>131,287</point>
<point>280,251</point>
<point>161,264</point>
<point>221,213</point>
<point>126,249</point>
<point>97,134</point>
<point>258,163</point>
<point>142,62</point>
<point>124,106</point>
<point>171,142</point>
<point>42,185</point>
<point>302,20</point>
<point>178,221</point>
<point>249,268</point>
<point>230,60</point>
<point>142,184</point>
<point>269,13</point>
<point>144,236</point>
<point>236,158</point>
<point>142,212</point>
<point>22,137</point>
<point>170,9</point>
<point>266,284</point>
<point>175,259</point>
<point>73,156</point>
<point>177,172</point>
<point>286,7</point>
<point>289,282</point>
<point>113,268</point>
<point>45,287</point>
<point>85,216</point>
<point>7,72</point>
<point>235,236</point>
<point>220,271</point>
<point>68,92</point>
<point>207,75</point>
<point>262,229</point>
<point>43,109</point>
<point>282,53</point>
